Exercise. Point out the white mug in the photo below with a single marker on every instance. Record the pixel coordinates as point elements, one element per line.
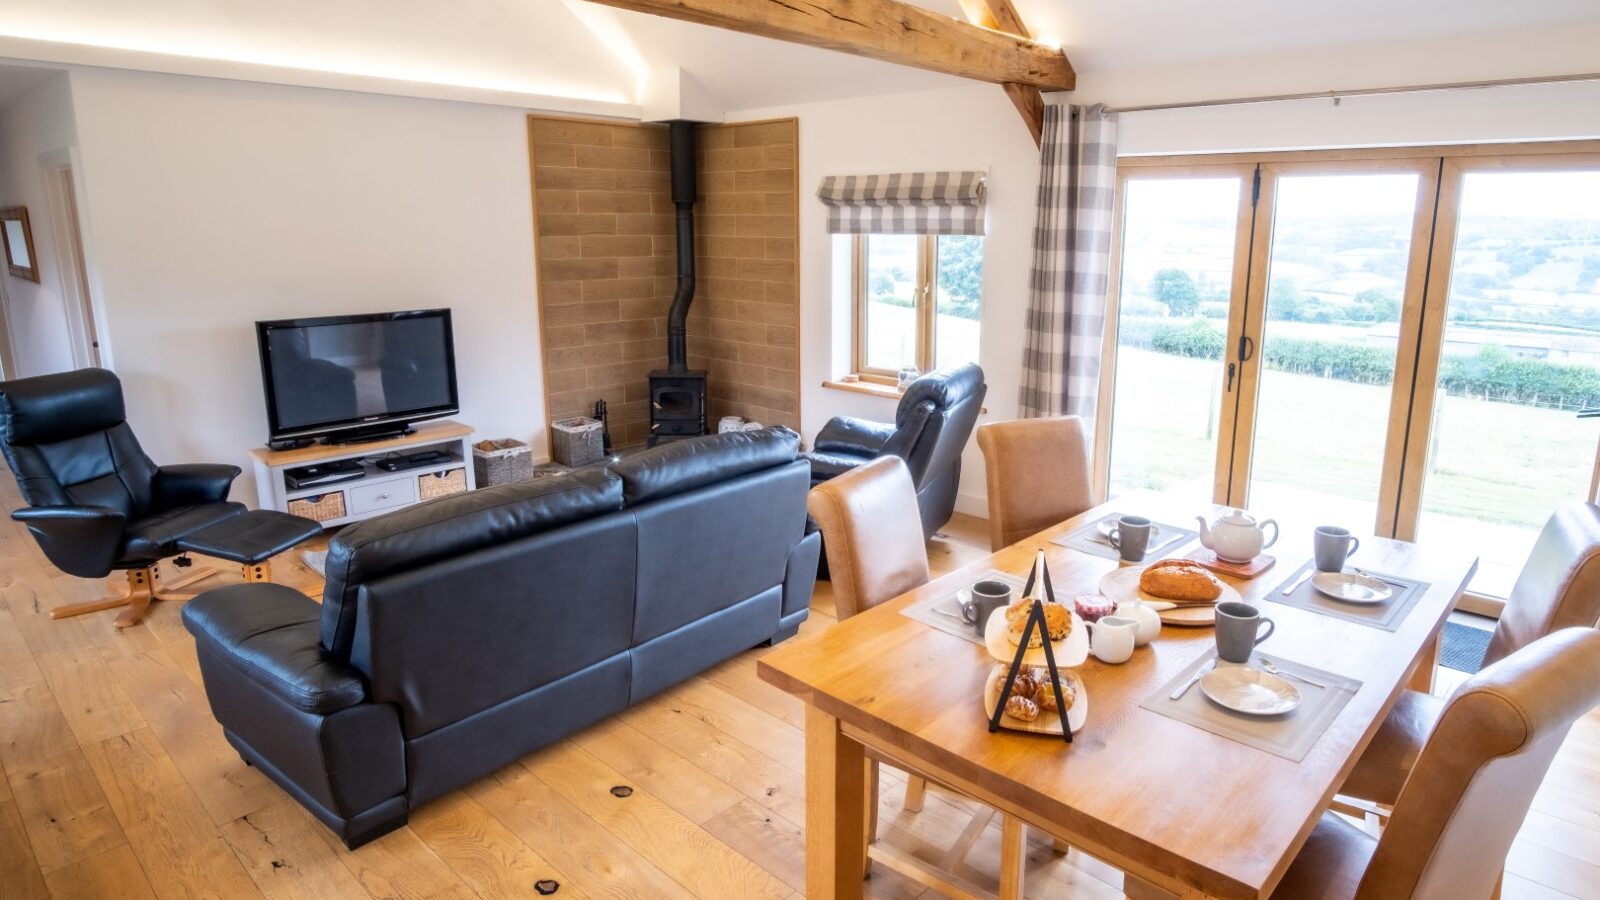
<point>1112,639</point>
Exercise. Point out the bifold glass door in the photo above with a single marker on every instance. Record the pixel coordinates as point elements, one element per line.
<point>1398,343</point>
<point>1183,256</point>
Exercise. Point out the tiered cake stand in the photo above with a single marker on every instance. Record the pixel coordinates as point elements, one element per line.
<point>1056,656</point>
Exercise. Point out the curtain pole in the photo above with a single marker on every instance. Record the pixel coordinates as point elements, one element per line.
<point>1365,92</point>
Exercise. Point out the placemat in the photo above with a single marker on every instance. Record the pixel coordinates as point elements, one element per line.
<point>943,611</point>
<point>1088,539</point>
<point>1290,735</point>
<point>1387,616</point>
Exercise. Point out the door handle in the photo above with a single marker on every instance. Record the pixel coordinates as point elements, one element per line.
<point>1231,368</point>
<point>1246,348</point>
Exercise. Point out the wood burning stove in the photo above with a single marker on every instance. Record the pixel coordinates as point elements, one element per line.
<point>678,393</point>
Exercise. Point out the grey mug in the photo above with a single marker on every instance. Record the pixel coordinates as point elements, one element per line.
<point>1239,630</point>
<point>987,596</point>
<point>1331,546</point>
<point>1131,537</point>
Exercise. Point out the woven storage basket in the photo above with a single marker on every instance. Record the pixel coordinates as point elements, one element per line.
<point>501,462</point>
<point>441,484</point>
<point>577,441</point>
<point>319,508</point>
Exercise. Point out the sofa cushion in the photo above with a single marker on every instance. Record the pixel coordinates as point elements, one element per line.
<point>449,527</point>
<point>269,632</point>
<point>685,465</point>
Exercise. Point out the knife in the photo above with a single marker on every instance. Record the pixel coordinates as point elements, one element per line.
<point>1184,688</point>
<point>1298,581</point>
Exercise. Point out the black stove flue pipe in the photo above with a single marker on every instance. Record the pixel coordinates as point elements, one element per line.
<point>680,138</point>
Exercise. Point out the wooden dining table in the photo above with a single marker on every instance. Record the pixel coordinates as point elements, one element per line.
<point>1180,810</point>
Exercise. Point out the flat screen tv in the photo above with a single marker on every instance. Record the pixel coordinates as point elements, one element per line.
<point>351,378</point>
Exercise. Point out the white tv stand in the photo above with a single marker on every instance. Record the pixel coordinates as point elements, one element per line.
<point>377,491</point>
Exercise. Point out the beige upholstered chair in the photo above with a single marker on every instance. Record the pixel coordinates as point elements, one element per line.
<point>1476,777</point>
<point>1038,475</point>
<point>1559,587</point>
<point>872,532</point>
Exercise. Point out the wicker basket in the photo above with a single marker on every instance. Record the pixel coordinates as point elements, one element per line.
<point>441,484</point>
<point>501,462</point>
<point>320,508</point>
<point>578,441</point>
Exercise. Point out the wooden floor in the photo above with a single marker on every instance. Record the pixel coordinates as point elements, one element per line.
<point>118,783</point>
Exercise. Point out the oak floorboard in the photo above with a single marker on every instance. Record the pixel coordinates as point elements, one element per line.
<point>653,829</point>
<point>679,783</point>
<point>399,866</point>
<point>599,862</point>
<point>22,878</point>
<point>181,852</point>
<point>484,853</point>
<point>33,732</point>
<point>65,812</point>
<point>283,850</point>
<point>111,873</point>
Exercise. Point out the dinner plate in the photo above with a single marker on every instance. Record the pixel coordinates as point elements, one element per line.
<point>1249,691</point>
<point>1048,722</point>
<point>1122,585</point>
<point>1349,587</point>
<point>1071,651</point>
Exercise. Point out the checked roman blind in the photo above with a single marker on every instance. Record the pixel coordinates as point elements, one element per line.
<point>916,203</point>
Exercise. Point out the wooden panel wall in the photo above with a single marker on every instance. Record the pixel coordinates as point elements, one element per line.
<point>603,222</point>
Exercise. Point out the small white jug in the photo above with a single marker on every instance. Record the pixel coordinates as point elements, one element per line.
<point>1112,639</point>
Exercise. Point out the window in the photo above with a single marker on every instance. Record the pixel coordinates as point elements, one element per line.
<point>918,299</point>
<point>1396,338</point>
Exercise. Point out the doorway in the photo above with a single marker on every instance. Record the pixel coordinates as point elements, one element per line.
<point>1399,338</point>
<point>71,261</point>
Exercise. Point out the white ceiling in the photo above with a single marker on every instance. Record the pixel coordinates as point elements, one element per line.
<point>570,49</point>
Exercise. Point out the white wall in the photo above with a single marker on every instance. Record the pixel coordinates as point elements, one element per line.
<point>976,127</point>
<point>37,123</point>
<point>968,128</point>
<point>212,204</point>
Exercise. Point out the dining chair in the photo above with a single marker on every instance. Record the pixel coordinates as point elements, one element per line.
<point>1559,587</point>
<point>873,536</point>
<point>1038,475</point>
<point>1456,817</point>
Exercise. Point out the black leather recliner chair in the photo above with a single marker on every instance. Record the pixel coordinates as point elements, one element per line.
<point>95,502</point>
<point>931,426</point>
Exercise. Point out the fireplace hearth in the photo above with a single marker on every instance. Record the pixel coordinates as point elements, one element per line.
<point>678,393</point>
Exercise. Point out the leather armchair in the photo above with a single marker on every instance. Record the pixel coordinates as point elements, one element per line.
<point>95,502</point>
<point>931,427</point>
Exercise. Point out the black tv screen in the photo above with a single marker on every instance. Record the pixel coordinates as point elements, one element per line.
<point>346,373</point>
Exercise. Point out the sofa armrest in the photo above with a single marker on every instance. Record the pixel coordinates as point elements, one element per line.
<point>78,540</point>
<point>859,437</point>
<point>270,633</point>
<point>191,483</point>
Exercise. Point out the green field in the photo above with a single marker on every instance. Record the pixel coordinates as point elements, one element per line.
<point>1496,470</point>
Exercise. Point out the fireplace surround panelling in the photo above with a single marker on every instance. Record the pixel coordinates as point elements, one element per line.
<point>603,224</point>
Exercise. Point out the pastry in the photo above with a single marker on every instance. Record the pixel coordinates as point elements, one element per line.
<point>1047,697</point>
<point>1057,621</point>
<point>1026,684</point>
<point>1022,708</point>
<point>1181,581</point>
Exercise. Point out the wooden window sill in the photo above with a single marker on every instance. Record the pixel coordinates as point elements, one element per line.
<point>870,388</point>
<point>875,389</point>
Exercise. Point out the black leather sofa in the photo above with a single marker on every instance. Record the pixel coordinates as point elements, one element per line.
<point>931,427</point>
<point>462,633</point>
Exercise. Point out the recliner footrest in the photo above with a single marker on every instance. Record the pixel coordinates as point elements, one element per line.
<point>251,537</point>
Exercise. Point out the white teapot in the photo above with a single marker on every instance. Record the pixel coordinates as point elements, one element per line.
<point>1236,537</point>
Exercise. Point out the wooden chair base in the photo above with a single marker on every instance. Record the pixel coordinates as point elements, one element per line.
<point>145,587</point>
<point>942,878</point>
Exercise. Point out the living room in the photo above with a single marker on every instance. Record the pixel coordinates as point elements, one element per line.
<point>683,336</point>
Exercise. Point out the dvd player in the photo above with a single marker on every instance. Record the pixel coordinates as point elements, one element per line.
<point>334,472</point>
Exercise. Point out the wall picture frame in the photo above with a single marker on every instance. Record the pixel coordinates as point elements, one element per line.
<point>17,236</point>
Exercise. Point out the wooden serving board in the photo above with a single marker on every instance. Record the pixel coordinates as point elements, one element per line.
<point>1048,722</point>
<point>1251,569</point>
<point>1189,616</point>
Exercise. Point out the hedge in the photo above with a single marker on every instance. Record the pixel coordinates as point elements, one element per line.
<point>1491,373</point>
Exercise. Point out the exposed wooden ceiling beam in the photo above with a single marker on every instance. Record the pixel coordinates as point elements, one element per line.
<point>1000,15</point>
<point>881,29</point>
